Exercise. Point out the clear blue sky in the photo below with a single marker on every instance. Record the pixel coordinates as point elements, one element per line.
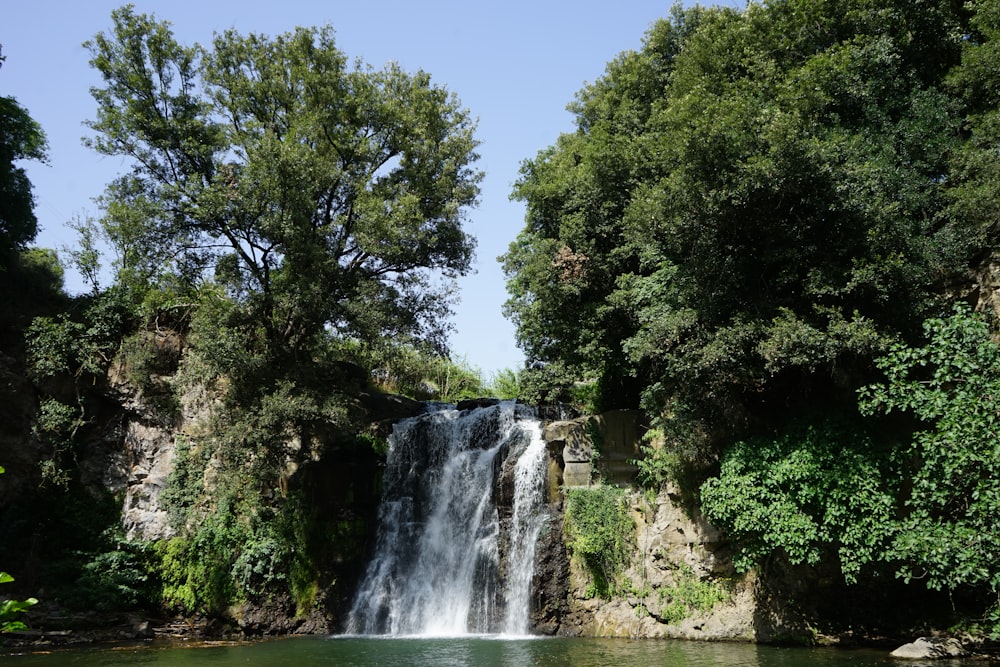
<point>514,64</point>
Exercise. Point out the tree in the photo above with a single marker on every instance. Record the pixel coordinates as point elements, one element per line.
<point>818,492</point>
<point>320,197</point>
<point>564,267</point>
<point>750,209</point>
<point>974,195</point>
<point>21,138</point>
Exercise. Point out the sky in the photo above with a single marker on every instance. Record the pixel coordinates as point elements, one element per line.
<point>515,65</point>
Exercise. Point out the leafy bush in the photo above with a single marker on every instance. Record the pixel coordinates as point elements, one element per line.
<point>120,575</point>
<point>9,609</point>
<point>688,595</point>
<point>197,570</point>
<point>815,491</point>
<point>948,536</point>
<point>56,425</point>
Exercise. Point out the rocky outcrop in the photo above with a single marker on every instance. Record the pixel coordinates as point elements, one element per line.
<point>151,451</point>
<point>680,583</point>
<point>550,601</point>
<point>151,434</point>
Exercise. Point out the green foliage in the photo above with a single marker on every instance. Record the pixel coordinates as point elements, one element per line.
<point>32,285</point>
<point>688,595</point>
<point>56,426</point>
<point>661,461</point>
<point>85,255</point>
<point>600,531</point>
<point>317,196</point>
<point>378,444</point>
<point>816,491</point>
<point>186,483</point>
<point>43,267</point>
<point>21,138</point>
<point>9,609</point>
<point>239,549</point>
<point>751,208</point>
<point>925,506</point>
<point>67,357</point>
<point>56,347</point>
<point>504,384</point>
<point>79,347</point>
<point>948,535</point>
<point>421,373</point>
<point>548,383</point>
<point>197,571</point>
<point>246,539</point>
<point>118,575</point>
<point>146,358</point>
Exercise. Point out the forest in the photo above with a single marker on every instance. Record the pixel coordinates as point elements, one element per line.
<point>772,231</point>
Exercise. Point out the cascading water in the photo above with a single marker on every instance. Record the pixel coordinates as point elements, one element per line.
<point>436,567</point>
<point>527,522</point>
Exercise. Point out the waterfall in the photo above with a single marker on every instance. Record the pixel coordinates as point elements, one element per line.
<point>526,524</point>
<point>436,569</point>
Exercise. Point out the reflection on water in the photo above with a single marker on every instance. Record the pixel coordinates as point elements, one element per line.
<point>448,652</point>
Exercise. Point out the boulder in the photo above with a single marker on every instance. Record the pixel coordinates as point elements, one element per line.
<point>931,648</point>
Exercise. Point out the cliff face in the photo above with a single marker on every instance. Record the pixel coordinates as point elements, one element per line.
<point>141,424</point>
<point>336,480</point>
<point>19,452</point>
<point>679,581</point>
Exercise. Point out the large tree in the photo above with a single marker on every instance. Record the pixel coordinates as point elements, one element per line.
<point>751,206</point>
<point>323,196</point>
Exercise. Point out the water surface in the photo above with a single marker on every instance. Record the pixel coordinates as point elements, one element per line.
<point>453,652</point>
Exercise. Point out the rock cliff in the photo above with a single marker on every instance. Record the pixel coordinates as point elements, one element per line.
<point>680,581</point>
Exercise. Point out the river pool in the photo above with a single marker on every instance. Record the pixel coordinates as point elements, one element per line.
<point>445,652</point>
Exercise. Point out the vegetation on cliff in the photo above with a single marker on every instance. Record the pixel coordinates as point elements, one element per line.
<point>756,215</point>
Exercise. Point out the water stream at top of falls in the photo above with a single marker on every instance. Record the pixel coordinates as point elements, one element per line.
<point>436,569</point>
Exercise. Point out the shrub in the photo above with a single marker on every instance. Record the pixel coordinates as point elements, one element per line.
<point>814,491</point>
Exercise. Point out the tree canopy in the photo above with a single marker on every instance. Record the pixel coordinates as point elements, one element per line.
<point>321,197</point>
<point>760,213</point>
<point>21,138</point>
<point>753,204</point>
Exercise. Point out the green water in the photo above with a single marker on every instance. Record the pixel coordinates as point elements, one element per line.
<point>474,651</point>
